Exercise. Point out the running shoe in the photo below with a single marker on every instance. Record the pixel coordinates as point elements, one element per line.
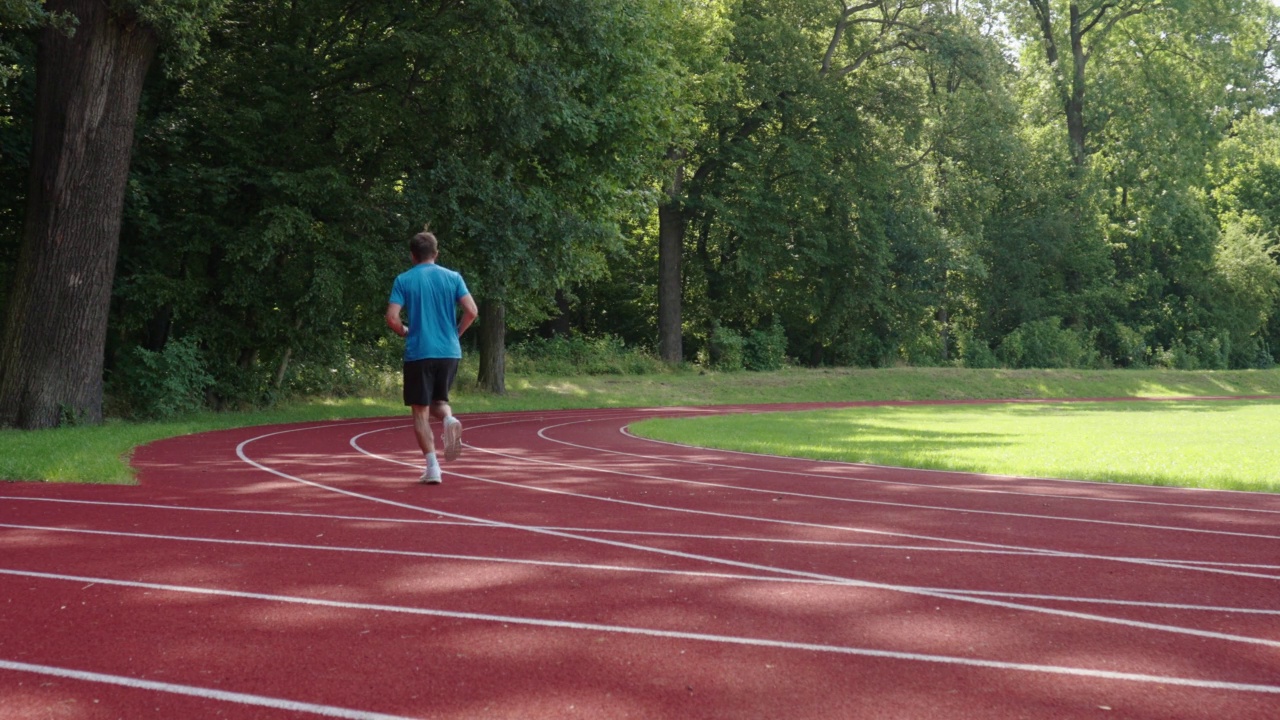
<point>431,476</point>
<point>452,438</point>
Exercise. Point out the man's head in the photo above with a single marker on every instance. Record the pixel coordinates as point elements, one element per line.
<point>423,246</point>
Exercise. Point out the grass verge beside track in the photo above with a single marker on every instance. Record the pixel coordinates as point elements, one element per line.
<point>1216,444</point>
<point>100,454</point>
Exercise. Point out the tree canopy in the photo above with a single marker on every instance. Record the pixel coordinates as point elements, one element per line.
<point>983,182</point>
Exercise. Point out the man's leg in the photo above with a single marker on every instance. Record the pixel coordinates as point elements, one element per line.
<point>426,443</point>
<point>452,431</point>
<point>422,427</point>
<point>441,410</point>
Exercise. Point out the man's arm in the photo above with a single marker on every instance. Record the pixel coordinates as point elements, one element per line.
<point>469,313</point>
<point>393,320</point>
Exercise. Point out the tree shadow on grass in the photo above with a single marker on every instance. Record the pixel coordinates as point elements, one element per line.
<point>886,436</point>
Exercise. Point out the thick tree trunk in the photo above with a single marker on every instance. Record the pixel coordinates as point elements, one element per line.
<point>671,227</point>
<point>87,91</point>
<point>493,347</point>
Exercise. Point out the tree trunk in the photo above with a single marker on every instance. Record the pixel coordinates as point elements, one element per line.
<point>1076,129</point>
<point>87,90</point>
<point>944,333</point>
<point>560,326</point>
<point>671,226</point>
<point>493,347</point>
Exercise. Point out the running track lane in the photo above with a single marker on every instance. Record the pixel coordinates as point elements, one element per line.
<point>568,569</point>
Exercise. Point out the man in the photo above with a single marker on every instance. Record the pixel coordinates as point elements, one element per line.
<point>430,295</point>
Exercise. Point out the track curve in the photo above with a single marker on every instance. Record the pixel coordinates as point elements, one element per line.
<point>567,568</point>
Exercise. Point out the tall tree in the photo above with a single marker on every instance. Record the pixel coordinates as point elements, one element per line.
<point>88,85</point>
<point>790,192</point>
<point>701,40</point>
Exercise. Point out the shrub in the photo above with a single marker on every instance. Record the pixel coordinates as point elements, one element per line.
<point>159,385</point>
<point>974,352</point>
<point>1196,351</point>
<point>765,349</point>
<point>1130,346</point>
<point>725,348</point>
<point>579,355</point>
<point>1046,344</point>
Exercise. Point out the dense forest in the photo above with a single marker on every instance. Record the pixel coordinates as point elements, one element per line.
<point>1018,183</point>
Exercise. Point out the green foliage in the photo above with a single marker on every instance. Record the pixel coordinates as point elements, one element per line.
<point>853,193</point>
<point>725,349</point>
<point>765,349</point>
<point>183,26</point>
<point>1046,344</point>
<point>163,384</point>
<point>579,355</point>
<point>1197,350</point>
<point>1246,269</point>
<point>17,18</point>
<point>1127,346</point>
<point>277,183</point>
<point>975,353</point>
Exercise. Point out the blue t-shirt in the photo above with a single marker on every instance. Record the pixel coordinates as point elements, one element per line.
<point>429,295</point>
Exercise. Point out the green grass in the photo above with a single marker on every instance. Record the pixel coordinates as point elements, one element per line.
<point>100,454</point>
<point>1218,444</point>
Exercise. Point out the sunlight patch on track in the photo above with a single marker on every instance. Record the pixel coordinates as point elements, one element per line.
<point>240,452</point>
<point>625,568</point>
<point>753,518</point>
<point>669,634</point>
<point>861,501</point>
<point>626,532</point>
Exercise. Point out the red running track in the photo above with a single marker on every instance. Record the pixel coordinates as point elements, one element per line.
<point>567,569</point>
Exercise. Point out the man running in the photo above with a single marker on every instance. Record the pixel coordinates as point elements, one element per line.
<point>430,295</point>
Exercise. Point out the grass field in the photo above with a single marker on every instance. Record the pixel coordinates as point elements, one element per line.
<point>1222,445</point>
<point>100,454</point>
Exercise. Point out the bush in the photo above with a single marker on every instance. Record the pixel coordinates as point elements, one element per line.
<point>1046,344</point>
<point>765,350</point>
<point>578,355</point>
<point>164,384</point>
<point>1197,351</point>
<point>974,352</point>
<point>725,348</point>
<point>1129,346</point>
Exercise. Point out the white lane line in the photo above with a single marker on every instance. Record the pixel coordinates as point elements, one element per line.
<point>240,451</point>
<point>235,511</point>
<point>795,523</point>
<point>861,501</point>
<point>837,464</point>
<point>670,634</point>
<point>1123,603</point>
<point>673,508</point>
<point>892,547</point>
<point>198,692</point>
<point>623,568</point>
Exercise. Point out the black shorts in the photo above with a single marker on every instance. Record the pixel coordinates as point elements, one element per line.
<point>428,381</point>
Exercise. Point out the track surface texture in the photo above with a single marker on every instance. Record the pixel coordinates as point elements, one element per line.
<point>568,569</point>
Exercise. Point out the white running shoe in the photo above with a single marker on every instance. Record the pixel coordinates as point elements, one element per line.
<point>452,438</point>
<point>431,476</point>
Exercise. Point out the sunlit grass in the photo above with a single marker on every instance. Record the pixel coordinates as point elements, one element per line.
<point>1217,444</point>
<point>100,454</point>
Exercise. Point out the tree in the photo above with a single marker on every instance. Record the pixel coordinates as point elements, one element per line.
<point>702,42</point>
<point>791,195</point>
<point>276,190</point>
<point>88,85</point>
